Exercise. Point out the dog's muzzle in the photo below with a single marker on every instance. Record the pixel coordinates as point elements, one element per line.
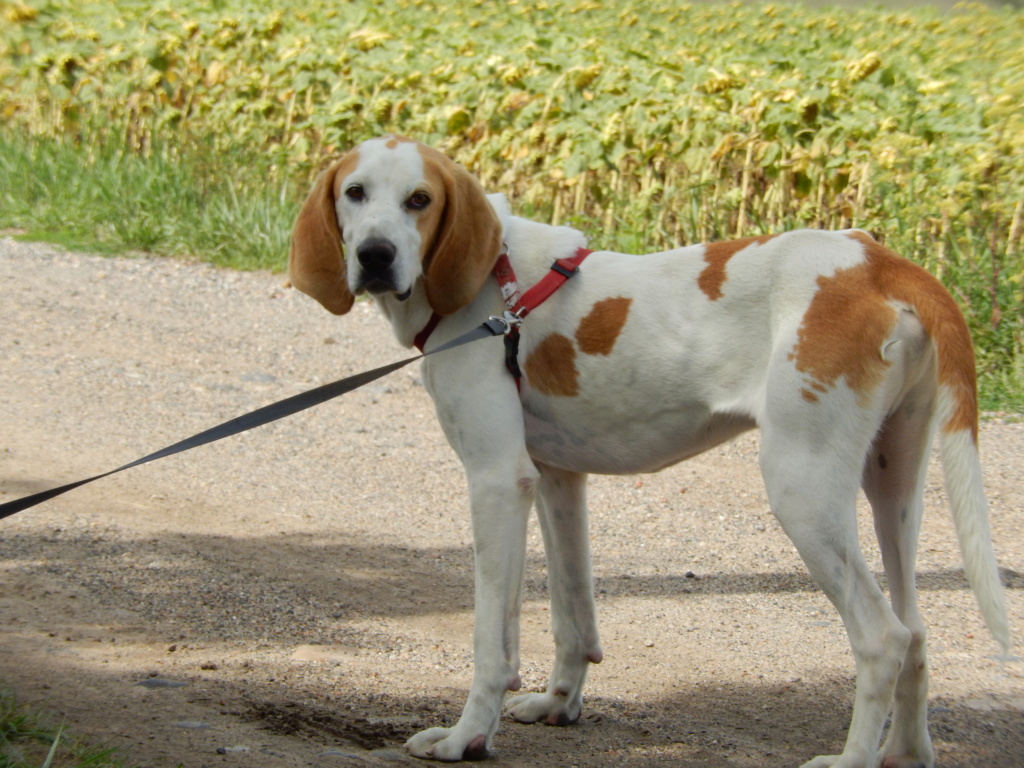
<point>376,260</point>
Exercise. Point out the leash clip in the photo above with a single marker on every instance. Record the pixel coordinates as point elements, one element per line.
<point>505,324</point>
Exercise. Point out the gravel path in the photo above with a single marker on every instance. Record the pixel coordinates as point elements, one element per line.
<point>301,594</point>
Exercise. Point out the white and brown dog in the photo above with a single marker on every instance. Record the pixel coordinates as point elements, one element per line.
<point>848,357</point>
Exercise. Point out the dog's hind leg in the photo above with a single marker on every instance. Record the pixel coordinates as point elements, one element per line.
<point>812,456</point>
<point>562,509</point>
<point>893,480</point>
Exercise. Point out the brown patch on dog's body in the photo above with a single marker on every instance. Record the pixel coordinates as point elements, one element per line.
<point>842,333</point>
<point>717,256</point>
<point>911,284</point>
<point>851,317</point>
<point>599,330</point>
<point>551,367</point>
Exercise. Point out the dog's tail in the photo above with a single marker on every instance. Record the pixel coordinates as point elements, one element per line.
<point>962,469</point>
<point>958,443</point>
<point>957,415</point>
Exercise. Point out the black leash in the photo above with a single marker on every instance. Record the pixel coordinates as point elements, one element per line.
<point>494,326</point>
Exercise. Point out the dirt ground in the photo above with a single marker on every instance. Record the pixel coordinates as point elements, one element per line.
<point>301,594</point>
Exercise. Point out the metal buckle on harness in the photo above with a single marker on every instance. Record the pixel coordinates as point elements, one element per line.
<point>505,324</point>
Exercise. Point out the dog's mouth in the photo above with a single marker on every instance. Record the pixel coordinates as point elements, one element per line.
<point>379,287</point>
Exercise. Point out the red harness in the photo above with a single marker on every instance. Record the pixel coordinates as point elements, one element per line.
<point>522,305</point>
<point>519,304</point>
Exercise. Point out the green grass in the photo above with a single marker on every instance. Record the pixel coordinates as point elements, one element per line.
<point>29,739</point>
<point>194,129</point>
<point>109,201</point>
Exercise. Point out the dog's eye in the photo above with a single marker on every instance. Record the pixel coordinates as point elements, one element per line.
<point>355,193</point>
<point>418,201</point>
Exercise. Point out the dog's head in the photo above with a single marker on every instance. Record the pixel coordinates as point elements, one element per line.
<point>402,212</point>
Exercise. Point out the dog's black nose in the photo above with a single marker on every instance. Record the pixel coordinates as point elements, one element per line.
<point>376,255</point>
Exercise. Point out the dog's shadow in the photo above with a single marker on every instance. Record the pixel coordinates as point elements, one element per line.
<point>301,588</point>
<point>277,580</point>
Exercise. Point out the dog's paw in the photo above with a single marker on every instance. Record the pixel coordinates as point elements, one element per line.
<point>902,761</point>
<point>547,708</point>
<point>891,761</point>
<point>444,744</point>
<point>822,761</point>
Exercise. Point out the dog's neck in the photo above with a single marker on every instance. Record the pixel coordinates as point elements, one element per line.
<point>532,247</point>
<point>407,317</point>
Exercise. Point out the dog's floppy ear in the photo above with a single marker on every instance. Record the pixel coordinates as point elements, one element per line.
<point>466,243</point>
<point>316,261</point>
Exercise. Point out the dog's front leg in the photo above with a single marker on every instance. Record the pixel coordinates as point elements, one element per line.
<point>501,496</point>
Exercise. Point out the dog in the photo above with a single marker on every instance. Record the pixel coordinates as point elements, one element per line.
<point>848,358</point>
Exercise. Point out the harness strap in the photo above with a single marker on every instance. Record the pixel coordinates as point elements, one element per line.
<point>555,278</point>
<point>507,280</point>
<point>421,338</point>
<point>519,304</point>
